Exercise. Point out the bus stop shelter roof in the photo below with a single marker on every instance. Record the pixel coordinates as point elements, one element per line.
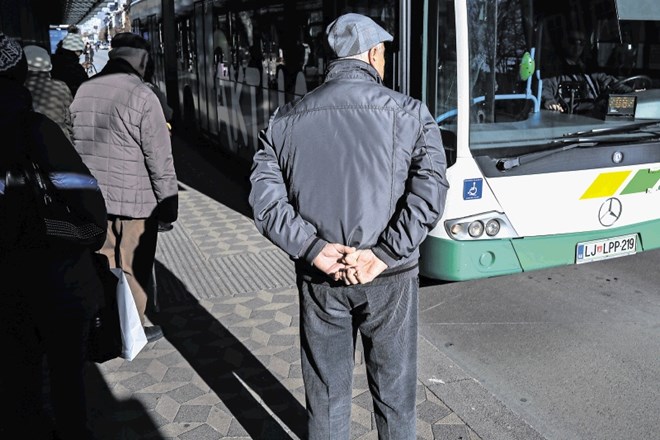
<point>74,11</point>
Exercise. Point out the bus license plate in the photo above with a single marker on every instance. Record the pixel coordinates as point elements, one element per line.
<point>606,248</point>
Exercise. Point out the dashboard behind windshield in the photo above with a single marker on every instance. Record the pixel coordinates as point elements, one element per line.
<point>540,69</point>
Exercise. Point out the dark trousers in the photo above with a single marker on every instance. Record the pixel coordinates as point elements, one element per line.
<point>385,314</point>
<point>45,317</point>
<point>29,335</point>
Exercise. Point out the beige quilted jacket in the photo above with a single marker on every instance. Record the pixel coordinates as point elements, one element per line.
<point>121,134</point>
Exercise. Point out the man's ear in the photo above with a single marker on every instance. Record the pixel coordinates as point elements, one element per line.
<point>373,52</point>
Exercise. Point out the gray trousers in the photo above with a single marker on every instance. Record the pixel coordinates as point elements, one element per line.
<point>385,314</point>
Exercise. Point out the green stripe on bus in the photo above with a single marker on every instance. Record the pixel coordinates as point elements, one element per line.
<point>642,181</point>
<point>452,260</point>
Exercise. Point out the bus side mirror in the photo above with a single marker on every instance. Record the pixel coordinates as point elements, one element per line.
<point>527,66</point>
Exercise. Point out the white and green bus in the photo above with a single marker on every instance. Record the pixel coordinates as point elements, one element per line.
<point>531,187</point>
<point>534,188</point>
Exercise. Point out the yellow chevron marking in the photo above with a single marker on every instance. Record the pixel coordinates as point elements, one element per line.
<point>605,185</point>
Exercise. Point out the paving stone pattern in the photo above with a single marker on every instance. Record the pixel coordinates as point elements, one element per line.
<point>229,365</point>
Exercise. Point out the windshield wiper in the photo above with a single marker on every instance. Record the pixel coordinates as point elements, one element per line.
<point>513,162</point>
<point>572,142</point>
<point>628,128</point>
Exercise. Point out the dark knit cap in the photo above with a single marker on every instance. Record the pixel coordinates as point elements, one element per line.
<point>10,53</point>
<point>13,64</point>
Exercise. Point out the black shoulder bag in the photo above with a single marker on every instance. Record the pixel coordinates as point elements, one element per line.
<point>55,220</point>
<point>105,341</point>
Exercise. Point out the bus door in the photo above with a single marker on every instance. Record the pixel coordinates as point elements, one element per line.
<point>155,40</point>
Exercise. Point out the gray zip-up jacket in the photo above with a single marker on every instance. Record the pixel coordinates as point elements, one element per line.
<point>351,162</point>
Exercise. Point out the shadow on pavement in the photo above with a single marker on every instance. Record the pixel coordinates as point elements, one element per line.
<point>213,173</point>
<point>225,364</point>
<point>113,419</point>
<point>428,282</point>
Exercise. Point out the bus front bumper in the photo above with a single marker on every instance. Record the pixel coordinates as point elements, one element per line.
<point>452,260</point>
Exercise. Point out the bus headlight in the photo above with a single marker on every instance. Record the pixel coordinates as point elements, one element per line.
<point>484,226</point>
<point>492,227</point>
<point>476,229</point>
<point>456,229</point>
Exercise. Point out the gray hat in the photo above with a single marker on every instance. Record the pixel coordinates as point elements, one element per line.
<point>37,58</point>
<point>73,42</point>
<point>352,34</point>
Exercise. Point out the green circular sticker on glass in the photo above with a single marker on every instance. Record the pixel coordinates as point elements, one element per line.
<point>527,66</point>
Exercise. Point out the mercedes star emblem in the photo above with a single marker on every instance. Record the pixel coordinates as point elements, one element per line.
<point>610,211</point>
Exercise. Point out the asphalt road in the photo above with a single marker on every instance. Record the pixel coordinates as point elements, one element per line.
<point>572,352</point>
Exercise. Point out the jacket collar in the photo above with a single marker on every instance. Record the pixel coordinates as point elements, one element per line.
<point>352,69</point>
<point>117,65</point>
<point>134,56</point>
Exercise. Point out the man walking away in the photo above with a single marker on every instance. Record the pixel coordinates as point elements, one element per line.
<point>66,62</point>
<point>50,97</point>
<point>351,211</point>
<point>120,131</point>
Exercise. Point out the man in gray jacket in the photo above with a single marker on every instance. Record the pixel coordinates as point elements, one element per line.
<point>348,181</point>
<point>121,134</point>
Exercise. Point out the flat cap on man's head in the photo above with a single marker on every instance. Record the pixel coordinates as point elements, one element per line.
<point>352,34</point>
<point>129,39</point>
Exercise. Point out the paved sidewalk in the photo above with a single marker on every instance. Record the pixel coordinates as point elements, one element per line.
<point>229,365</point>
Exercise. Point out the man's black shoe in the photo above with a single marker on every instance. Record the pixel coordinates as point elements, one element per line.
<point>153,333</point>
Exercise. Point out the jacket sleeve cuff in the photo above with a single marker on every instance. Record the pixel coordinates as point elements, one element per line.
<point>314,249</point>
<point>385,254</point>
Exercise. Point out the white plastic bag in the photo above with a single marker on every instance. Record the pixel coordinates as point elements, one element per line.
<point>132,333</point>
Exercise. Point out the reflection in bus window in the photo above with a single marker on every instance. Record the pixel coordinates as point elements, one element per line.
<point>494,62</point>
<point>446,59</point>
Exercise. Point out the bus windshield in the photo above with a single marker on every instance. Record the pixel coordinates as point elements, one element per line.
<point>539,71</point>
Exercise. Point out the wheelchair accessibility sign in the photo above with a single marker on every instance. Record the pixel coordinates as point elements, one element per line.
<point>472,188</point>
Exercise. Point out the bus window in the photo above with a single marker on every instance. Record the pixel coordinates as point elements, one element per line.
<point>221,46</point>
<point>446,60</point>
<point>184,46</point>
<point>495,62</point>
